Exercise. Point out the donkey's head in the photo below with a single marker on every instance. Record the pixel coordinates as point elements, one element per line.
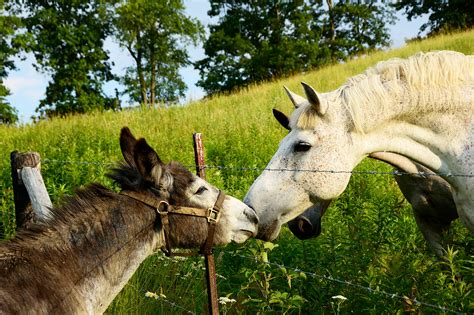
<point>144,172</point>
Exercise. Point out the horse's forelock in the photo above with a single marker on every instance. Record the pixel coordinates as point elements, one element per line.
<point>304,117</point>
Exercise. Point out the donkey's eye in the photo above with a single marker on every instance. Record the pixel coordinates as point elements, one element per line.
<point>200,190</point>
<point>302,146</point>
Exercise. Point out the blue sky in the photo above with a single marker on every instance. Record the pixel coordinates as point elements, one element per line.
<point>27,86</point>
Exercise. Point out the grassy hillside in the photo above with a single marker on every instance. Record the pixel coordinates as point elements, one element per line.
<point>370,238</point>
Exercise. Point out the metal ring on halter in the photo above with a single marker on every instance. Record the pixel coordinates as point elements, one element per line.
<point>165,209</point>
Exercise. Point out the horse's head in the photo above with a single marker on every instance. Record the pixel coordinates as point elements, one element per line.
<point>144,172</point>
<point>305,172</point>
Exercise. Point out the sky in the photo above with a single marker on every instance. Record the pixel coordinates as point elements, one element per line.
<point>28,86</point>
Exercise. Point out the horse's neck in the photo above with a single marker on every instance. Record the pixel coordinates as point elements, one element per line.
<point>125,238</point>
<point>424,132</point>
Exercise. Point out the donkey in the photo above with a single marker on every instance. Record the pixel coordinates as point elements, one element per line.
<point>421,108</point>
<point>78,262</point>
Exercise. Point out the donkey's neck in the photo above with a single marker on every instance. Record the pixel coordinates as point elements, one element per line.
<point>124,249</point>
<point>100,241</point>
<point>128,237</point>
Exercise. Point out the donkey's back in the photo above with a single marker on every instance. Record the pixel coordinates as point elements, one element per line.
<point>30,279</point>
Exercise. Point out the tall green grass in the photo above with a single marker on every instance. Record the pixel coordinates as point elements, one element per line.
<point>370,237</point>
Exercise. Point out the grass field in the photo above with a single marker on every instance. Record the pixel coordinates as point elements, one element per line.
<point>370,251</point>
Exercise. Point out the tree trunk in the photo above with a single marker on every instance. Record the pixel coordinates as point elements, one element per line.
<point>152,77</point>
<point>332,33</point>
<point>138,56</point>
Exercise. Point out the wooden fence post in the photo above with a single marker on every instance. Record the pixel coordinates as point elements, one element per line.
<point>213,304</point>
<point>32,201</point>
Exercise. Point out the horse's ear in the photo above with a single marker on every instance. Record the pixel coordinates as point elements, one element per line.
<point>147,161</point>
<point>282,118</point>
<point>127,145</point>
<point>295,98</point>
<point>314,99</point>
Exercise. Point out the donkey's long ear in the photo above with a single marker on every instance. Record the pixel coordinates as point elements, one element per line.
<point>147,161</point>
<point>282,118</point>
<point>127,145</point>
<point>295,98</point>
<point>314,99</point>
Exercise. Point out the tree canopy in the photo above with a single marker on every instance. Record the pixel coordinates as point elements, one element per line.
<point>66,38</point>
<point>156,34</point>
<point>260,40</point>
<point>8,49</point>
<point>444,16</point>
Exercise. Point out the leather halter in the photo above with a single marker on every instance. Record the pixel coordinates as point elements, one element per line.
<point>164,209</point>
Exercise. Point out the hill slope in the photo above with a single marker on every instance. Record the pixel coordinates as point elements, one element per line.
<point>370,237</point>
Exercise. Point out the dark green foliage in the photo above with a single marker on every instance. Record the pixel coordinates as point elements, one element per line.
<point>359,26</point>
<point>369,239</point>
<point>66,38</point>
<point>256,41</point>
<point>155,33</point>
<point>259,40</point>
<point>9,24</point>
<point>8,114</point>
<point>444,16</point>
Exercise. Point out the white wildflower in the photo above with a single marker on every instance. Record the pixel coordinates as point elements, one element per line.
<point>224,300</point>
<point>339,297</point>
<point>151,295</point>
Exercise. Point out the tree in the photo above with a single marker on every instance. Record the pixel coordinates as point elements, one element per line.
<point>156,34</point>
<point>355,27</point>
<point>445,15</point>
<point>8,114</point>
<point>9,24</point>
<point>67,41</point>
<point>261,40</point>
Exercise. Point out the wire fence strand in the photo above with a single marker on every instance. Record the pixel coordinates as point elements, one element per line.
<point>262,169</point>
<point>308,273</point>
<point>354,285</point>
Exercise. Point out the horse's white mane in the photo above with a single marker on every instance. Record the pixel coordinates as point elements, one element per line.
<point>423,82</point>
<point>403,87</point>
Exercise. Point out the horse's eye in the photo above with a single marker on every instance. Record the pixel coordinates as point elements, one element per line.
<point>200,190</point>
<point>302,146</point>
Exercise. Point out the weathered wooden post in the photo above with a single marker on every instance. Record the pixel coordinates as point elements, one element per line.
<point>32,202</point>
<point>213,303</point>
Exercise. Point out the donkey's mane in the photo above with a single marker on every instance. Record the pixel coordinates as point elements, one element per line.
<point>86,202</point>
<point>420,83</point>
<point>91,201</point>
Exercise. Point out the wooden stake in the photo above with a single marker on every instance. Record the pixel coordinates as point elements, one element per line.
<point>32,201</point>
<point>212,295</point>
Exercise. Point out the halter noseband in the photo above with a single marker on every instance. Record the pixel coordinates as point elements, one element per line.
<point>164,209</point>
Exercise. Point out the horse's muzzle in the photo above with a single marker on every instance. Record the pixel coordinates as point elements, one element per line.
<point>308,224</point>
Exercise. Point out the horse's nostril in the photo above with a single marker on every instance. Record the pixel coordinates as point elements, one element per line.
<point>305,226</point>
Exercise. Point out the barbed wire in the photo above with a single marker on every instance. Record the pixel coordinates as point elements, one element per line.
<point>350,284</point>
<point>308,273</point>
<point>169,302</point>
<point>260,169</point>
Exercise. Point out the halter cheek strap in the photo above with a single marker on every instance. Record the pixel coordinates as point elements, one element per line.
<point>164,209</point>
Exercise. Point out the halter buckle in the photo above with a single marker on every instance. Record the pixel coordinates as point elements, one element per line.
<point>163,207</point>
<point>213,215</point>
